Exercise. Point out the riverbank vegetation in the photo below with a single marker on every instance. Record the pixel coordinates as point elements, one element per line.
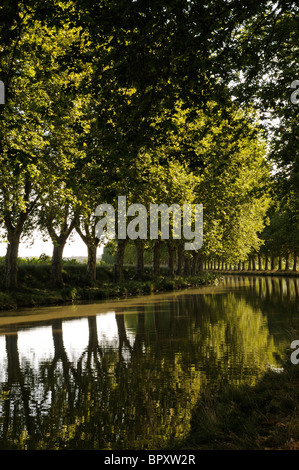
<point>34,288</point>
<point>262,417</point>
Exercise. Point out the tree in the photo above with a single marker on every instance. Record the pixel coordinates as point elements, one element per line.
<point>39,126</point>
<point>22,144</point>
<point>228,155</point>
<point>263,75</point>
<point>149,56</point>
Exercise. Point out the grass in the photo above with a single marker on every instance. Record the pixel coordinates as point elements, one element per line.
<point>263,417</point>
<point>35,289</point>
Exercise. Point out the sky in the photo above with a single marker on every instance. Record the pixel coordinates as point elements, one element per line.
<point>74,247</point>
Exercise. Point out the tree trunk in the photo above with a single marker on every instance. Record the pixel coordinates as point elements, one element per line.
<point>194,263</point>
<point>187,264</point>
<point>91,241</point>
<point>139,259</point>
<point>92,264</point>
<point>280,262</point>
<point>273,263</point>
<point>119,260</point>
<point>200,262</point>
<point>287,266</point>
<point>10,280</point>
<point>14,232</point>
<point>180,260</point>
<point>59,242</point>
<point>295,262</point>
<point>266,262</point>
<point>171,258</point>
<point>156,258</point>
<point>56,266</point>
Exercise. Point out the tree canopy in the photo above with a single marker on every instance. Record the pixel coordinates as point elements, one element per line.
<point>166,102</point>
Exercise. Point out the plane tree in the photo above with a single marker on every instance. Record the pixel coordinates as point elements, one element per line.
<point>265,76</point>
<point>66,151</point>
<point>39,126</point>
<point>227,152</point>
<point>22,145</point>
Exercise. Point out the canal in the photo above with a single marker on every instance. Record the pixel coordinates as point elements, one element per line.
<point>127,374</point>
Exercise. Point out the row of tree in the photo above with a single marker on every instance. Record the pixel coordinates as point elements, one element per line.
<point>144,100</point>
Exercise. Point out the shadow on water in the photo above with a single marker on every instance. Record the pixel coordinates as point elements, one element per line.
<point>127,375</point>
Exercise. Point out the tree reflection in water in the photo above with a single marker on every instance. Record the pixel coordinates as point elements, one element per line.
<point>136,387</point>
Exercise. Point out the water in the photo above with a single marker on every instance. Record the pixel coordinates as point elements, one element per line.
<point>127,374</point>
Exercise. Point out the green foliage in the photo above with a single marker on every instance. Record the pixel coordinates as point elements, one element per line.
<point>157,103</point>
<point>246,417</point>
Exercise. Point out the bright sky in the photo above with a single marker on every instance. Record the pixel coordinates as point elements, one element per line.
<point>74,247</point>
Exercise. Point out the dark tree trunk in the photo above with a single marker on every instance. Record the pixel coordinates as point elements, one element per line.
<point>280,263</point>
<point>56,266</point>
<point>295,262</point>
<point>156,258</point>
<point>287,266</point>
<point>171,258</point>
<point>14,231</point>
<point>273,263</point>
<point>194,264</point>
<point>119,260</point>
<point>180,260</point>
<point>10,280</point>
<point>200,262</point>
<point>187,264</point>
<point>92,264</point>
<point>139,259</point>
<point>59,241</point>
<point>91,241</point>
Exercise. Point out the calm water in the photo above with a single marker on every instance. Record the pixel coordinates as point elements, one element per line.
<point>127,374</point>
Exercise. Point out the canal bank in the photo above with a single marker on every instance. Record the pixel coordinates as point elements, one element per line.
<point>35,289</point>
<point>27,296</point>
<point>276,273</point>
<point>263,417</point>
